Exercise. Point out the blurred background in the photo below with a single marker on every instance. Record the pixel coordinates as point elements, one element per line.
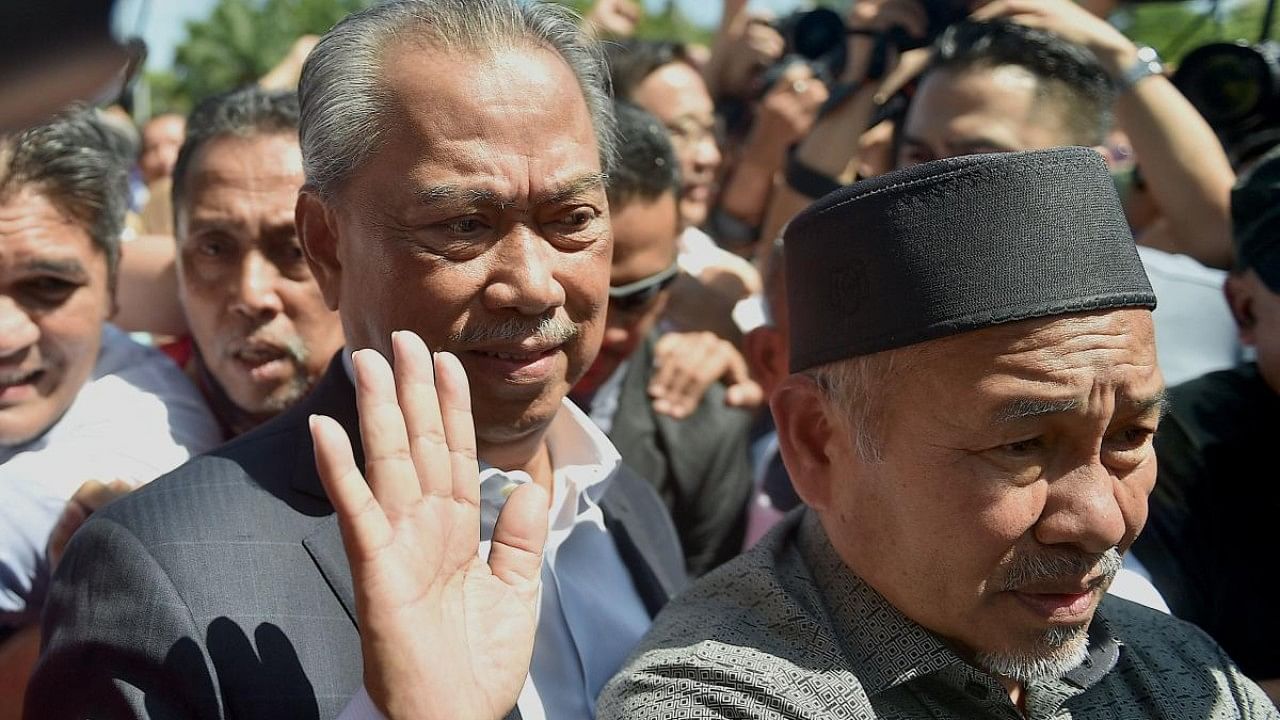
<point>199,47</point>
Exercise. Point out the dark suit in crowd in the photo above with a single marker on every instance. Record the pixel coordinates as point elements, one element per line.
<point>699,465</point>
<point>221,590</point>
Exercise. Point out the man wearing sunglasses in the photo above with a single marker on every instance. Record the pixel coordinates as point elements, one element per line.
<point>698,463</point>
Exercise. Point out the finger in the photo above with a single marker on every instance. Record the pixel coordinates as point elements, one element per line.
<point>416,392</point>
<point>990,11</point>
<point>93,494</point>
<point>72,517</point>
<point>515,557</point>
<point>388,464</point>
<point>459,427</point>
<point>364,526</point>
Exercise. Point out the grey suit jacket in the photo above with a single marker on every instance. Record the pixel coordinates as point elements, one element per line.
<point>222,591</point>
<point>699,465</point>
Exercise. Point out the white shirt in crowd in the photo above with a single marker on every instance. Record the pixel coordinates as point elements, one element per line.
<point>590,615</point>
<point>136,418</point>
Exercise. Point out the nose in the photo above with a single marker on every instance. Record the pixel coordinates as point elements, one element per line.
<point>707,154</point>
<point>1084,509</point>
<point>524,277</point>
<point>256,295</point>
<point>17,330</point>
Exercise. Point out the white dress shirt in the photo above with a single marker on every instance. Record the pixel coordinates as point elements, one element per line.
<point>136,418</point>
<point>590,615</point>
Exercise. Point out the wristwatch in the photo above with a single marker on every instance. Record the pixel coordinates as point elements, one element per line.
<point>1147,64</point>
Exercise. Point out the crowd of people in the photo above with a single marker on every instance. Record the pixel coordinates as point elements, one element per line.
<point>483,362</point>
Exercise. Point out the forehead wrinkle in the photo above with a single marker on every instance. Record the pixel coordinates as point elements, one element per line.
<point>451,196</point>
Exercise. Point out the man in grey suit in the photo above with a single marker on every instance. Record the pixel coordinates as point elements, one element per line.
<point>454,156</point>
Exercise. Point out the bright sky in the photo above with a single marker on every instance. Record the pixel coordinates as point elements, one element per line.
<point>162,23</point>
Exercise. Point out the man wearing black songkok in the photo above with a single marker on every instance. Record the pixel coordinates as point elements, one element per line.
<point>969,421</point>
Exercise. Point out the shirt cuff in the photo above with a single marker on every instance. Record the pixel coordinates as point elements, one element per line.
<point>360,708</point>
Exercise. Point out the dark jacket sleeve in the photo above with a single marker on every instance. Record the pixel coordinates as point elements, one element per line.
<point>709,458</point>
<point>118,640</point>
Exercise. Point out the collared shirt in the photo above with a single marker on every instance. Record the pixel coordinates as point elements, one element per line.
<point>590,615</point>
<point>1195,332</point>
<point>136,418</point>
<point>786,631</point>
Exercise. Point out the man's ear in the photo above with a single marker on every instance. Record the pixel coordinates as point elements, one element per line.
<point>1240,298</point>
<point>762,347</point>
<point>806,436</point>
<point>318,234</point>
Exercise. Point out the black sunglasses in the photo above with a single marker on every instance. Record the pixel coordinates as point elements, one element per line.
<point>637,295</point>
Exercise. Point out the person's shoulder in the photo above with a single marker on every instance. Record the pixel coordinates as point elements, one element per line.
<point>1162,651</point>
<point>212,494</point>
<point>748,634</point>
<point>1160,640</point>
<point>1202,405</point>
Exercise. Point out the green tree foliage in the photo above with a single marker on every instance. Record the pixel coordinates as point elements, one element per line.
<point>1176,28</point>
<point>238,43</point>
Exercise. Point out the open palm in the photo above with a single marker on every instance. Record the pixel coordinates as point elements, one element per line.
<point>444,634</point>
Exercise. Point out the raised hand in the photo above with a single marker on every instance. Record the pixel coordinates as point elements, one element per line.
<point>444,634</point>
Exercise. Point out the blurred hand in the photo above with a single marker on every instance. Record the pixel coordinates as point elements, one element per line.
<point>444,635</point>
<point>1072,23</point>
<point>614,18</point>
<point>786,114</point>
<point>881,16</point>
<point>84,502</point>
<point>748,47</point>
<point>688,363</point>
<point>285,74</point>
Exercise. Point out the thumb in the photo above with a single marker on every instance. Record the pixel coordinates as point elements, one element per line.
<point>515,557</point>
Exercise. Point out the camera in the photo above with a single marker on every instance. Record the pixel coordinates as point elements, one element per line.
<point>818,38</point>
<point>1236,88</point>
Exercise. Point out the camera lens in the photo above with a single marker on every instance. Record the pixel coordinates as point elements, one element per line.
<point>1232,85</point>
<point>817,33</point>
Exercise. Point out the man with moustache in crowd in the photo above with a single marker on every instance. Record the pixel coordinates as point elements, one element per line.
<point>261,334</point>
<point>973,442</point>
<point>454,156</point>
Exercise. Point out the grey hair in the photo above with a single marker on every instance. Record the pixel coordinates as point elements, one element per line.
<point>73,162</point>
<point>345,104</point>
<point>857,388</point>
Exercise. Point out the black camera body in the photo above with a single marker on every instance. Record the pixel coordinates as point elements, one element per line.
<point>818,38</point>
<point>1236,88</point>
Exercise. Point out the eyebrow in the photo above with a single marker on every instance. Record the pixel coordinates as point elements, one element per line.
<point>1158,402</point>
<point>450,196</point>
<point>1030,408</point>
<point>67,268</point>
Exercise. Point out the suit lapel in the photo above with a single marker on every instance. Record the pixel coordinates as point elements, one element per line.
<point>635,529</point>
<point>333,396</point>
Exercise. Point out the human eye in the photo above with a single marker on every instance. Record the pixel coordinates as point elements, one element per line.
<point>1129,446</point>
<point>465,226</point>
<point>579,218</point>
<point>49,291</point>
<point>1022,448</point>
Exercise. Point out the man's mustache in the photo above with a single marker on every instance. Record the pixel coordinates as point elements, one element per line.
<point>548,329</point>
<point>1028,569</point>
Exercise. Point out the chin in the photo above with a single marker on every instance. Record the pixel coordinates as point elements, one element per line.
<point>1056,652</point>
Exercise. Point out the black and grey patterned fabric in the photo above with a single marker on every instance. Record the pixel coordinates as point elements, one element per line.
<point>786,632</point>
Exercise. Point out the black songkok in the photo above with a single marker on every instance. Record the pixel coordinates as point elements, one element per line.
<point>957,245</point>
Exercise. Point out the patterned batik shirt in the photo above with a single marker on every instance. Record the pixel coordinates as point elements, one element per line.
<point>787,632</point>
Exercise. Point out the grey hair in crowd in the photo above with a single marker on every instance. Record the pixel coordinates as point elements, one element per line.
<point>345,104</point>
<point>242,112</point>
<point>72,162</point>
